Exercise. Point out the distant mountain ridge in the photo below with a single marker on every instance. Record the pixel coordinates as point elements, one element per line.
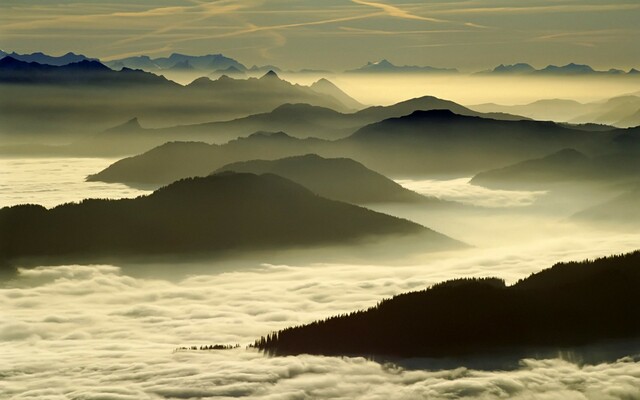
<point>42,58</point>
<point>564,70</point>
<point>384,67</point>
<point>177,61</point>
<point>127,93</point>
<point>85,72</point>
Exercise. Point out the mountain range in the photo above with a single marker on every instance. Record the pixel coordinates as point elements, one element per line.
<point>78,98</point>
<point>386,67</point>
<point>551,70</point>
<point>216,64</point>
<point>299,120</point>
<point>419,144</point>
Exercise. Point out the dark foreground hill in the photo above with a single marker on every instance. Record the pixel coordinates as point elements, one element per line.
<point>336,178</point>
<point>569,304</point>
<point>219,213</point>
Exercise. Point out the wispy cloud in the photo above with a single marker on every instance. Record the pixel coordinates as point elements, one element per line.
<point>564,8</point>
<point>397,12</point>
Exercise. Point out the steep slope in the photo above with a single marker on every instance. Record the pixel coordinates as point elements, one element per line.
<point>214,214</point>
<point>324,86</point>
<point>567,305</point>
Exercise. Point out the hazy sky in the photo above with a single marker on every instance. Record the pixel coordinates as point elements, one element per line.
<point>334,34</point>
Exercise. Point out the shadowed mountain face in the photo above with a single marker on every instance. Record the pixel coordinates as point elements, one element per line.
<point>423,143</point>
<point>222,212</point>
<point>87,97</point>
<point>335,178</point>
<point>569,304</point>
<point>567,166</point>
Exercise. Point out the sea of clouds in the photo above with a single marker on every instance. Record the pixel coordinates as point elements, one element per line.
<point>104,332</point>
<point>95,332</point>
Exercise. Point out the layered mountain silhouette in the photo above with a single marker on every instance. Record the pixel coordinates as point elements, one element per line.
<point>176,160</point>
<point>439,141</point>
<point>96,97</point>
<point>209,215</point>
<point>386,67</point>
<point>334,178</point>
<point>299,120</point>
<point>419,144</point>
<point>570,304</point>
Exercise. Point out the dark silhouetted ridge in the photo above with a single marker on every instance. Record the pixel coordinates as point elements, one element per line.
<point>205,215</point>
<point>569,304</point>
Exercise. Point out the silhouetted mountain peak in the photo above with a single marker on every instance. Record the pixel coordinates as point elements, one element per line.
<point>89,65</point>
<point>515,68</point>
<point>132,123</point>
<point>382,63</point>
<point>571,68</point>
<point>269,135</point>
<point>203,80</point>
<point>270,75</point>
<point>9,61</point>
<point>433,114</point>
